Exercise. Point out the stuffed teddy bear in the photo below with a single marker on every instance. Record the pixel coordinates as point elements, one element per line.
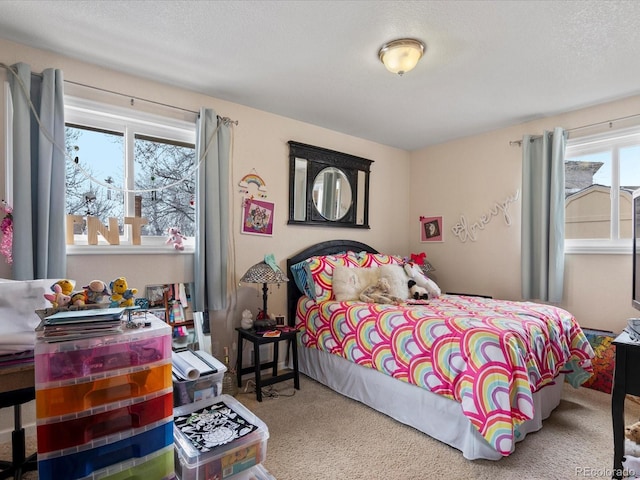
<point>79,299</point>
<point>176,238</point>
<point>66,286</point>
<point>414,272</point>
<point>121,294</point>
<point>379,293</point>
<point>57,298</point>
<point>417,292</point>
<point>96,291</point>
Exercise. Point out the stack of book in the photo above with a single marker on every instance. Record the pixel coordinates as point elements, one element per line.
<point>77,324</point>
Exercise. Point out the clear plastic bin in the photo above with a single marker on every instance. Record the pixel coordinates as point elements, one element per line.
<point>238,443</point>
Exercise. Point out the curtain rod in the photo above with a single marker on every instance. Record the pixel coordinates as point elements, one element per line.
<point>132,97</point>
<point>581,127</point>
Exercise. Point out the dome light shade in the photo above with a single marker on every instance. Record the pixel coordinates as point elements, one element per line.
<point>402,55</point>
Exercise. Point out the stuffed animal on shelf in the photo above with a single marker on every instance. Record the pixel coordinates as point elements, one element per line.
<point>379,293</point>
<point>176,238</point>
<point>66,286</point>
<point>79,299</point>
<point>96,291</point>
<point>121,294</point>
<point>416,291</point>
<point>57,298</point>
<point>414,272</point>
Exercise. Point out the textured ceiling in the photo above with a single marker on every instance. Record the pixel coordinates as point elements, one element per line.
<point>488,64</point>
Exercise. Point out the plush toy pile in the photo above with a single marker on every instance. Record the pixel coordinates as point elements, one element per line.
<point>96,292</point>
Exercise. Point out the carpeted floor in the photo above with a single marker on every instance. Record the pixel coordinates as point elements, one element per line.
<point>316,434</point>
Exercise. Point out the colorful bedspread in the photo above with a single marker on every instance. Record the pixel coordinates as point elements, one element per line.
<point>489,355</point>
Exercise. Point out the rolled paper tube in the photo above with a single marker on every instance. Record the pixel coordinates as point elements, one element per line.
<point>184,368</point>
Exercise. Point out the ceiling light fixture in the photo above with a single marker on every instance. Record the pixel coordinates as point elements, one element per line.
<point>402,55</point>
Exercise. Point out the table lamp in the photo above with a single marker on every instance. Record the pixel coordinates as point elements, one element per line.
<point>265,274</point>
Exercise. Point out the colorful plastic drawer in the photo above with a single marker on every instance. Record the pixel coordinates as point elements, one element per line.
<point>78,397</point>
<point>156,466</point>
<point>217,439</point>
<point>85,462</point>
<point>93,424</point>
<point>79,358</point>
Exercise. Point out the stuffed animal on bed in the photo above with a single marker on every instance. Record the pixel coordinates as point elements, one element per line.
<point>416,291</point>
<point>414,272</point>
<point>379,293</point>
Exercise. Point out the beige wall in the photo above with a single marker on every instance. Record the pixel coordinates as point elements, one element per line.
<point>467,177</point>
<point>460,178</point>
<point>260,143</point>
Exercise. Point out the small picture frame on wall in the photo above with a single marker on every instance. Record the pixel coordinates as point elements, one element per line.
<point>431,229</point>
<point>257,217</point>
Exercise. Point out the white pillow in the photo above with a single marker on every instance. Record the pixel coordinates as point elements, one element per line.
<point>398,280</point>
<point>348,282</point>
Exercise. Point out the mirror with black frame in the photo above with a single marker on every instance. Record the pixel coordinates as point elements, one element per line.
<point>327,188</point>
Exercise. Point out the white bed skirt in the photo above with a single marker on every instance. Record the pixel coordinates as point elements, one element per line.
<point>435,415</point>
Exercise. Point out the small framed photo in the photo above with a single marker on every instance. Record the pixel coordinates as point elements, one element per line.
<point>157,295</point>
<point>257,217</point>
<point>280,321</point>
<point>431,229</point>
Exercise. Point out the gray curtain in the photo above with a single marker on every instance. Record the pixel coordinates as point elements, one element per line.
<point>38,174</point>
<point>211,257</point>
<point>543,216</point>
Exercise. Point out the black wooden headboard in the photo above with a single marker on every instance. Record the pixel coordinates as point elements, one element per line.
<point>323,248</point>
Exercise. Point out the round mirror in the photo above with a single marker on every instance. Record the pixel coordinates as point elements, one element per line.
<point>332,193</point>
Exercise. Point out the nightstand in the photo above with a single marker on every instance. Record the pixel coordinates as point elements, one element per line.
<point>257,340</point>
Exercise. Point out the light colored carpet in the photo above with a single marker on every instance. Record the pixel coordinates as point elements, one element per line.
<point>317,434</point>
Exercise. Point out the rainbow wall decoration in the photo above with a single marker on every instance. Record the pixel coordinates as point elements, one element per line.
<point>253,179</point>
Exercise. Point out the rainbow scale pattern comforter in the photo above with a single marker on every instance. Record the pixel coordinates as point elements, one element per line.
<point>489,355</point>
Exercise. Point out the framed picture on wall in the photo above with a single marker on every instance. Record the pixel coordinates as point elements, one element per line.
<point>257,217</point>
<point>431,229</point>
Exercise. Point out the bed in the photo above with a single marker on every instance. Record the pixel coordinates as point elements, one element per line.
<point>475,373</point>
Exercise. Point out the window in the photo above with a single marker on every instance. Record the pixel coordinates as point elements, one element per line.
<point>601,173</point>
<point>129,164</point>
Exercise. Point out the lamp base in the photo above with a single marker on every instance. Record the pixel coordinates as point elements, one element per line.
<point>264,323</point>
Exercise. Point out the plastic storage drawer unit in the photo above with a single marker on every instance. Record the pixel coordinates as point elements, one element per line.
<point>88,356</point>
<point>84,462</point>
<point>60,433</point>
<point>155,466</point>
<point>217,439</point>
<point>78,396</point>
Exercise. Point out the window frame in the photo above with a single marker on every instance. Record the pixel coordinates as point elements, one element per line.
<point>614,141</point>
<point>93,114</point>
